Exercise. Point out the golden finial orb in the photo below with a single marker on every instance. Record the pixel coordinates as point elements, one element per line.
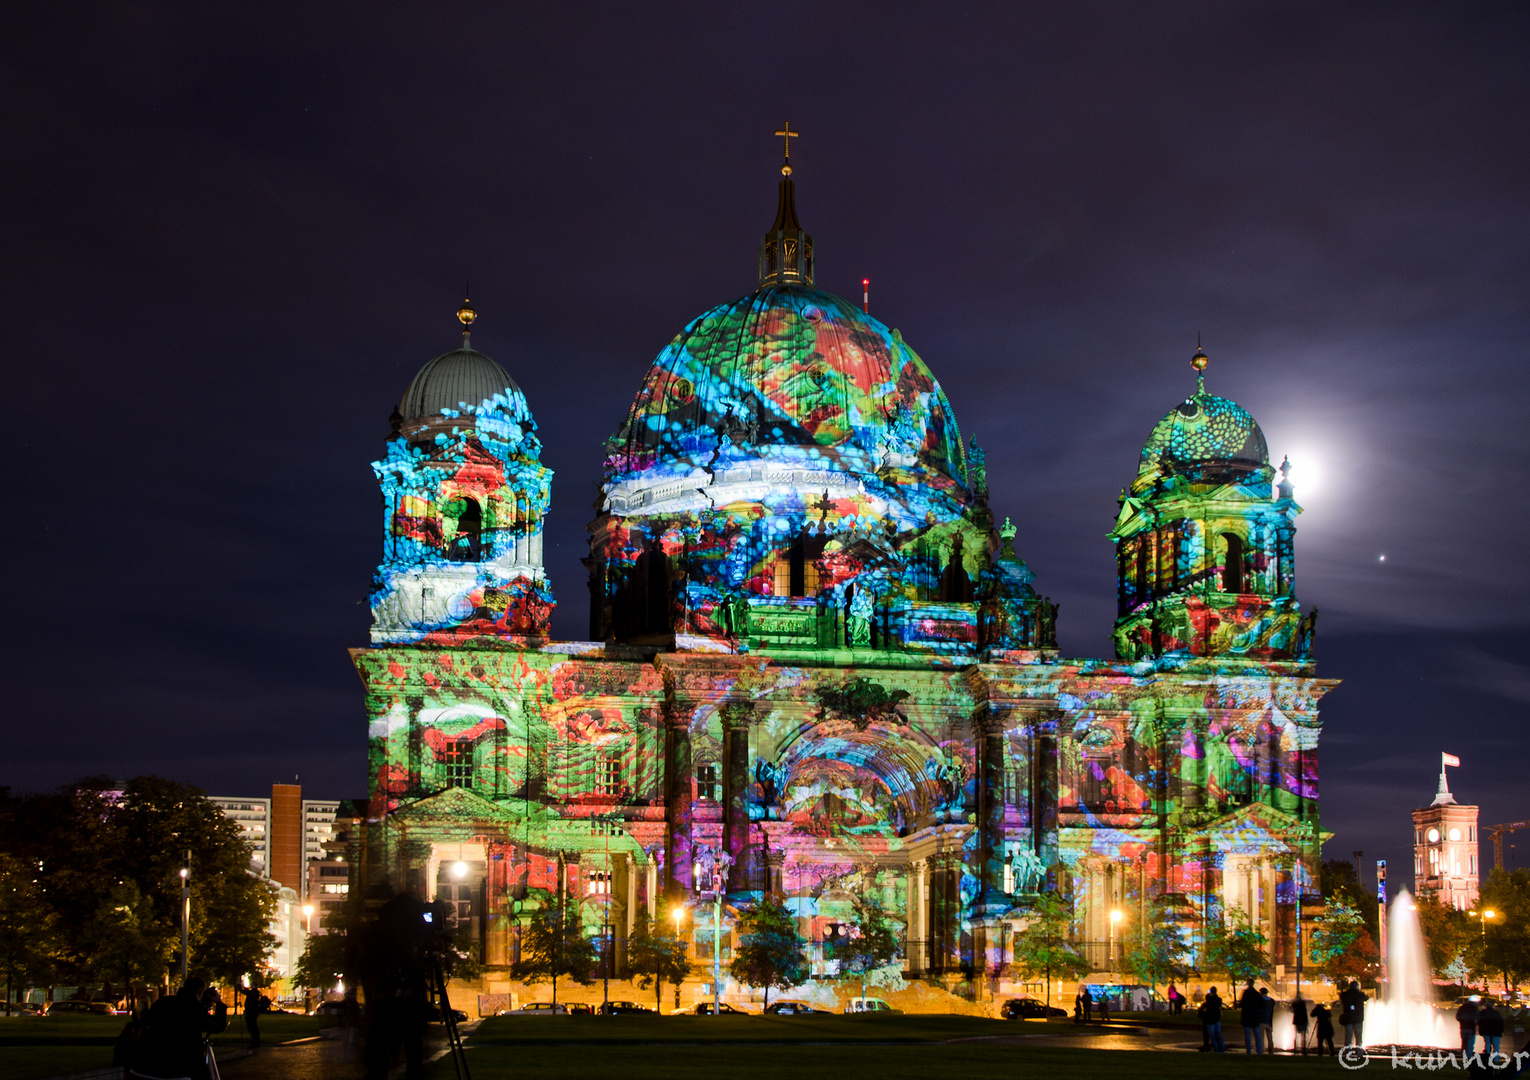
<point>465,313</point>
<point>1199,360</point>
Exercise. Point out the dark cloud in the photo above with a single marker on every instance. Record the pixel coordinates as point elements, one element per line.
<point>232,236</point>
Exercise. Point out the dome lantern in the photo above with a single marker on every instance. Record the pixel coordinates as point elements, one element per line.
<point>786,250</point>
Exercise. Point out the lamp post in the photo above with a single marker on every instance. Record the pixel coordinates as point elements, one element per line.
<point>185,915</point>
<point>307,918</point>
<point>1482,917</point>
<point>679,916</point>
<point>1115,917</point>
<point>720,868</point>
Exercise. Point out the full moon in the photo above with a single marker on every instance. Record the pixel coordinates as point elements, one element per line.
<point>1306,474</point>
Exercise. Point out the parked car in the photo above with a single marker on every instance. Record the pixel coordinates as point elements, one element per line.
<point>20,1008</point>
<point>100,1008</point>
<point>704,1008</point>
<point>795,1008</point>
<point>579,1008</point>
<point>329,1008</point>
<point>433,1014</point>
<point>864,1006</point>
<point>623,1008</point>
<point>537,1008</point>
<point>1029,1008</point>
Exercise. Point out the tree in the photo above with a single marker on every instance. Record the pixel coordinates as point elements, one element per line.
<point>769,952</point>
<point>322,964</point>
<point>1447,933</point>
<point>554,945</point>
<point>1044,945</point>
<point>27,926</point>
<point>657,955</point>
<point>872,944</point>
<point>124,941</point>
<point>1341,882</point>
<point>1341,945</point>
<point>1156,951</point>
<point>90,838</point>
<point>1236,948</point>
<point>1507,951</point>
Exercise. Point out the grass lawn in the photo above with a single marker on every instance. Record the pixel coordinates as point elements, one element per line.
<point>853,1061</point>
<point>844,1048</point>
<point>49,1045</point>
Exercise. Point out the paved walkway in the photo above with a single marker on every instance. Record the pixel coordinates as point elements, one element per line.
<point>310,1059</point>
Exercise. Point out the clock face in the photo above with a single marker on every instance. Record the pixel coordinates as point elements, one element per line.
<point>1455,834</point>
<point>1434,836</point>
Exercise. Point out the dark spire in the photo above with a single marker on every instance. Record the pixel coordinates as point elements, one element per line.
<point>786,251</point>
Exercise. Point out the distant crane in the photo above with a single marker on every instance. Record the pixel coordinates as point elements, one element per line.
<point>1496,832</point>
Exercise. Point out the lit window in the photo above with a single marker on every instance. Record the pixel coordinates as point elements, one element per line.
<point>611,775</point>
<point>707,786</point>
<point>457,764</point>
<point>598,883</point>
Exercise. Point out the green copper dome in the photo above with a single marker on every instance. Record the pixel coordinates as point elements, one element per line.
<point>1201,430</point>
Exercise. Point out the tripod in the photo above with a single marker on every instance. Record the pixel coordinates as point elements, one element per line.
<point>449,1018</point>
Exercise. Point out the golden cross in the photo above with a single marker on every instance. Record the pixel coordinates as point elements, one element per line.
<point>788,134</point>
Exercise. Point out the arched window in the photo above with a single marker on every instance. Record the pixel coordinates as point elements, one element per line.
<point>648,593</point>
<point>796,572</point>
<point>955,585</point>
<point>466,543</point>
<point>1232,563</point>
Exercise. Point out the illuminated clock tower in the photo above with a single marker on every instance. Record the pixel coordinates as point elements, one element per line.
<point>1445,847</point>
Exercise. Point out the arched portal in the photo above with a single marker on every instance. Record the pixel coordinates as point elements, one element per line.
<point>881,780</point>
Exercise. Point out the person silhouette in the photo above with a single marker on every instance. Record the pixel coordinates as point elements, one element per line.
<point>174,1038</point>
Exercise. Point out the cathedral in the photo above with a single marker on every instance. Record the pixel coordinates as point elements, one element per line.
<point>817,666</point>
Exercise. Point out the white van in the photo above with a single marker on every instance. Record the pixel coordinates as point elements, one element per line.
<point>868,1005</point>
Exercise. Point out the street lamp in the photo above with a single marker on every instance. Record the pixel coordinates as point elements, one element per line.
<point>308,918</point>
<point>185,914</point>
<point>1482,917</point>
<point>679,915</point>
<point>1115,917</point>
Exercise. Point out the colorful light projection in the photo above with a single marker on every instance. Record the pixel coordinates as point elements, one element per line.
<point>817,652</point>
<point>464,493</point>
<point>791,474</point>
<point>1205,552</point>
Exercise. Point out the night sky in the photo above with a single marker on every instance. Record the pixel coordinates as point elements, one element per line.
<point>230,239</point>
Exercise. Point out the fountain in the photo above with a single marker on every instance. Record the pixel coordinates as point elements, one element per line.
<point>1407,1017</point>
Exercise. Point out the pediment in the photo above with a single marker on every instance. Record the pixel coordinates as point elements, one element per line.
<point>456,805</point>
<point>1255,829</point>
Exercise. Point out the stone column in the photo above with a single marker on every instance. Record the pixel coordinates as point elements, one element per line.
<point>989,729</point>
<point>913,930</point>
<point>678,791</point>
<point>1044,790</point>
<point>735,722</point>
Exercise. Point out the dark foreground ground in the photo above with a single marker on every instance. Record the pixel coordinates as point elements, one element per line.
<point>741,1048</point>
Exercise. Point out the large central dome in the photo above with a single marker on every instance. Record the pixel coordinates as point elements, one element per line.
<point>790,366</point>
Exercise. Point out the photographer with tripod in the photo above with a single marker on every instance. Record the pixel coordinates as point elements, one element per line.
<point>403,981</point>
<point>173,1043</point>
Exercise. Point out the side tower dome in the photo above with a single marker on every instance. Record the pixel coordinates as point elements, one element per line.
<point>464,494</point>
<point>791,475</point>
<point>1204,551</point>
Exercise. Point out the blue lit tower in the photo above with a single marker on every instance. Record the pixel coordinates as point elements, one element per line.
<point>464,494</point>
